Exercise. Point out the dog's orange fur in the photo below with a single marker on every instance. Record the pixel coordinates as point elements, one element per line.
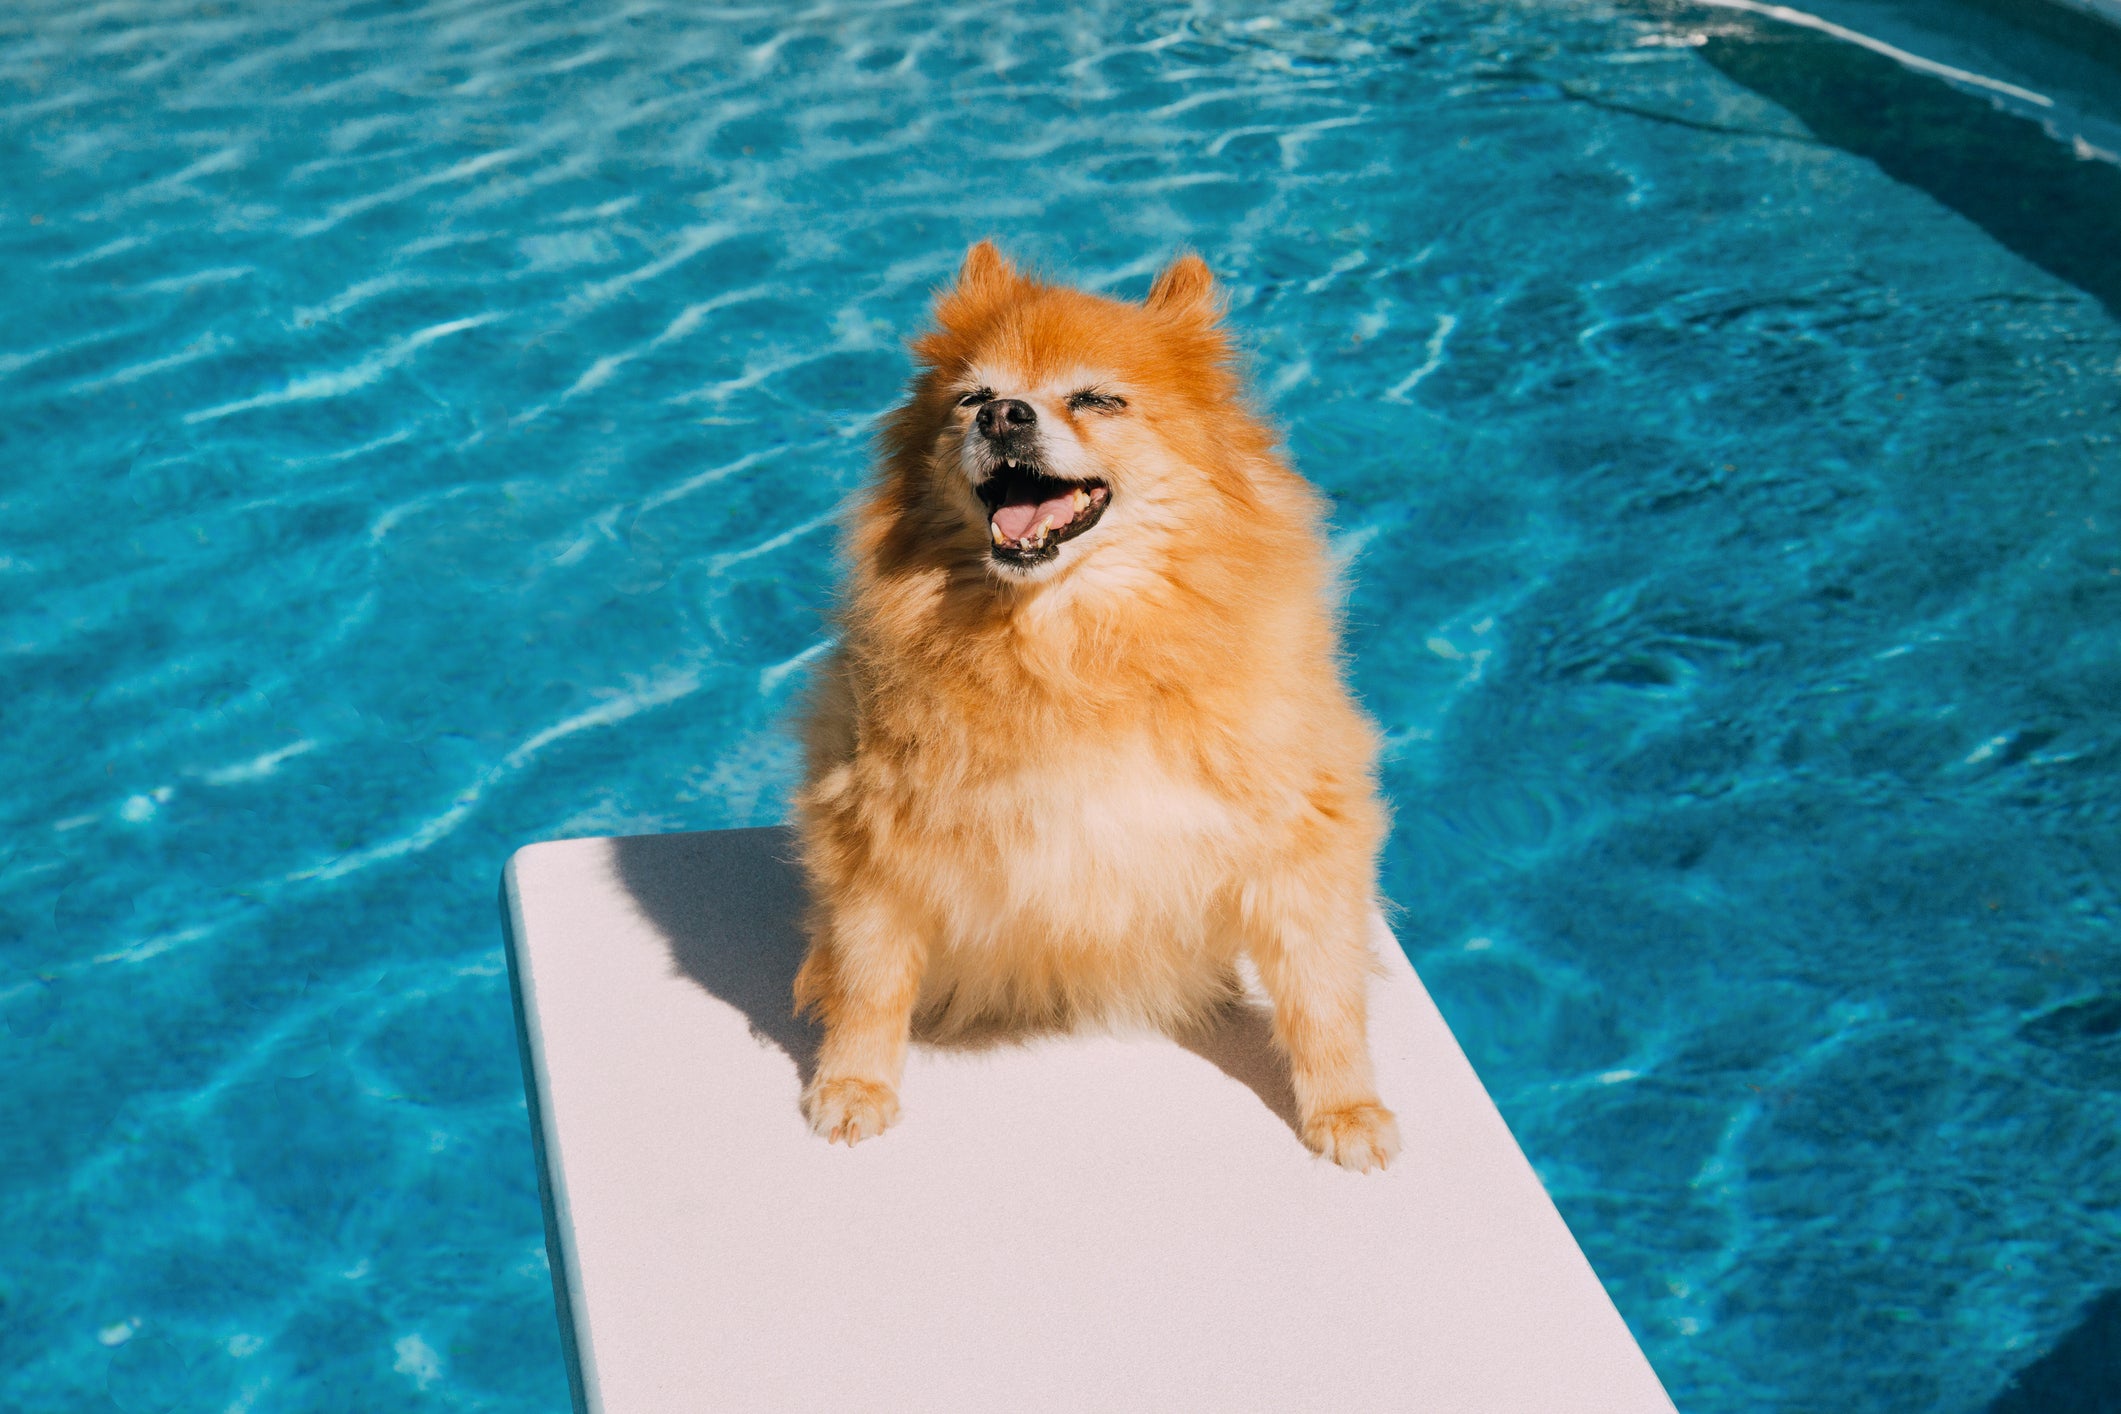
<point>1082,795</point>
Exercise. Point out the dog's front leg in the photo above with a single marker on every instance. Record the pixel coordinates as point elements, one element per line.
<point>860,979</point>
<point>1315,963</point>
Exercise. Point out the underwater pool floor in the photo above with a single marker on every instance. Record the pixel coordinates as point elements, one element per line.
<point>422,426</point>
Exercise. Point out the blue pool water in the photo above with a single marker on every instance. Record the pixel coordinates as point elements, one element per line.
<point>420,427</point>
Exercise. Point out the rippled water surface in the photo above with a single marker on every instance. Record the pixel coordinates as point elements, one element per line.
<point>420,428</point>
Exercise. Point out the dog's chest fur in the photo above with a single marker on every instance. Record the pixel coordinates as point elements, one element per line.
<point>1107,841</point>
<point>1075,889</point>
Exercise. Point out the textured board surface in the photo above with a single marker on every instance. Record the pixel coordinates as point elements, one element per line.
<point>1066,1223</point>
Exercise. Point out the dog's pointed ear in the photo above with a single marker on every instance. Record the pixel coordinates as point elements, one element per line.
<point>985,268</point>
<point>1187,287</point>
<point>985,281</point>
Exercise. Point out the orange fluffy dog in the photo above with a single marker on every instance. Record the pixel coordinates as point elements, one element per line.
<point>1085,741</point>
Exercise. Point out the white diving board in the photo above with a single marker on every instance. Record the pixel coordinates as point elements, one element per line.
<point>1066,1223</point>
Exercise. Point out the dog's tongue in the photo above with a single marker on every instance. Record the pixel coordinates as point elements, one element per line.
<point>1021,518</point>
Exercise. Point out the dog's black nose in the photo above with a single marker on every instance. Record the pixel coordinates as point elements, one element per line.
<point>1002,416</point>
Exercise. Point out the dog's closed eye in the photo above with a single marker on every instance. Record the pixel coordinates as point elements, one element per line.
<point>1092,400</point>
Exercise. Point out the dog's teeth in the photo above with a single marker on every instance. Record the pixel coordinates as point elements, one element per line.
<point>1011,461</point>
<point>1080,499</point>
<point>996,532</point>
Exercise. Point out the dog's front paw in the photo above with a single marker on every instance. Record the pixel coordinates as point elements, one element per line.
<point>849,1111</point>
<point>1358,1137</point>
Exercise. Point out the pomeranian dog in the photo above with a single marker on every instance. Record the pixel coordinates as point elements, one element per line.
<point>1085,741</point>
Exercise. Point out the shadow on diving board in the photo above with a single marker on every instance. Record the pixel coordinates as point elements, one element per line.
<point>729,905</point>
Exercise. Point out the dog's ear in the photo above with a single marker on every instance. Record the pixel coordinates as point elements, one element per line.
<point>985,281</point>
<point>1187,287</point>
<point>985,269</point>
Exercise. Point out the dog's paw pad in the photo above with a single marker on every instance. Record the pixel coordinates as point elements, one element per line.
<point>849,1111</point>
<point>1358,1137</point>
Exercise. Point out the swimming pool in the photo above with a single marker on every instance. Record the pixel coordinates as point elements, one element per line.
<point>423,423</point>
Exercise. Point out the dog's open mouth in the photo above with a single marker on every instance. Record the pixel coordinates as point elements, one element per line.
<point>1030,515</point>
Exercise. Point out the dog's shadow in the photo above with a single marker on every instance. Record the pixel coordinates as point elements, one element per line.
<point>729,905</point>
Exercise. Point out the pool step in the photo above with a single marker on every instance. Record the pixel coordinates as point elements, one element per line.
<point>1070,1224</point>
